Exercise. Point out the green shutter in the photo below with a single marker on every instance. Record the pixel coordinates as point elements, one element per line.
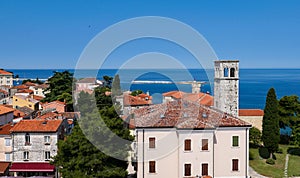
<point>235,140</point>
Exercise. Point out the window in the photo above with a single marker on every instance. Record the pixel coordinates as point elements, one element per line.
<point>235,164</point>
<point>204,169</point>
<point>37,92</point>
<point>151,142</point>
<point>187,169</point>
<point>187,145</point>
<point>204,144</point>
<point>225,72</point>
<point>47,155</point>
<point>232,72</point>
<point>47,139</point>
<point>235,141</point>
<point>7,142</point>
<point>27,139</point>
<point>151,166</point>
<point>26,155</point>
<point>7,156</point>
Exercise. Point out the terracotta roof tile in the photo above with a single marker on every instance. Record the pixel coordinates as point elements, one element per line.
<point>130,100</point>
<point>4,72</point>
<point>19,87</point>
<point>4,92</point>
<point>201,98</point>
<point>30,84</point>
<point>25,91</point>
<point>37,126</point>
<point>184,115</point>
<point>4,130</point>
<point>5,110</point>
<point>38,98</point>
<point>251,112</point>
<point>43,86</point>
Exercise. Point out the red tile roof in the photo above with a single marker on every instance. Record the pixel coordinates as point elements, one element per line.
<point>4,130</point>
<point>31,167</point>
<point>251,112</point>
<point>30,84</point>
<point>130,100</point>
<point>4,92</point>
<point>184,115</point>
<point>201,98</point>
<point>37,126</point>
<point>25,91</point>
<point>19,87</point>
<point>3,167</point>
<point>42,86</point>
<point>48,115</point>
<point>5,110</point>
<point>4,72</point>
<point>38,98</point>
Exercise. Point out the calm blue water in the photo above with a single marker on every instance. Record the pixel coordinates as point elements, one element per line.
<point>254,83</point>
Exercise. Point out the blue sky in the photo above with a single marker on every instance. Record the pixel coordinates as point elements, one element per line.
<point>52,34</point>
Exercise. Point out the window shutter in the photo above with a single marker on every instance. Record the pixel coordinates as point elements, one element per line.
<point>187,170</point>
<point>204,169</point>
<point>204,144</point>
<point>187,145</point>
<point>235,140</point>
<point>151,142</point>
<point>235,165</point>
<point>151,166</point>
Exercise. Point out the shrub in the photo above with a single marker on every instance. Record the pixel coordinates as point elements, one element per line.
<point>270,161</point>
<point>294,151</point>
<point>264,153</point>
<point>280,151</point>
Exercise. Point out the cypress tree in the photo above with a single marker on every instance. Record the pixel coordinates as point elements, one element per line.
<point>270,133</point>
<point>116,86</point>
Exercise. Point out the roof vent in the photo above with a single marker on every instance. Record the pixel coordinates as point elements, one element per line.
<point>162,116</point>
<point>204,115</point>
<point>44,122</point>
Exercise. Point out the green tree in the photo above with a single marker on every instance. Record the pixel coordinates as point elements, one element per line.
<point>289,112</point>
<point>255,136</point>
<point>78,157</point>
<point>37,81</point>
<point>83,154</point>
<point>270,133</point>
<point>136,92</point>
<point>116,86</point>
<point>60,88</point>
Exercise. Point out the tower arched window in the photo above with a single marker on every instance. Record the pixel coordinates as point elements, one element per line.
<point>225,72</point>
<point>232,72</point>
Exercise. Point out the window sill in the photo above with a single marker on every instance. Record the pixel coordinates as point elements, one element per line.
<point>204,150</point>
<point>187,151</point>
<point>235,147</point>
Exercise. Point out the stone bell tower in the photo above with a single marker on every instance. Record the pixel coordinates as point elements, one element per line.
<point>226,86</point>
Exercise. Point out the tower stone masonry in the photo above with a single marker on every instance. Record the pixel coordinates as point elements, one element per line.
<point>226,86</point>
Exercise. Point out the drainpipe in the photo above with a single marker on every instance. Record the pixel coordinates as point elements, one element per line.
<point>247,149</point>
<point>143,153</point>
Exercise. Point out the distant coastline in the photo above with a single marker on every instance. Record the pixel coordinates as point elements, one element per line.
<point>254,83</point>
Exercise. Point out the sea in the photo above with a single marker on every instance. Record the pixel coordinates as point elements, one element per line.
<point>253,84</point>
